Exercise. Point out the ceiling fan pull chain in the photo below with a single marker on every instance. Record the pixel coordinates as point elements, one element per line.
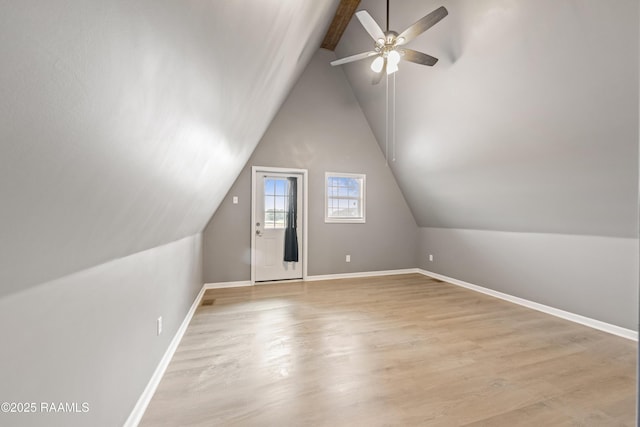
<point>386,126</point>
<point>393,125</point>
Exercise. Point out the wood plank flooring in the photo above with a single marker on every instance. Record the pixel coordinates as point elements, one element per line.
<point>397,350</point>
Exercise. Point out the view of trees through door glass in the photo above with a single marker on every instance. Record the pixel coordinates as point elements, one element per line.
<point>276,201</point>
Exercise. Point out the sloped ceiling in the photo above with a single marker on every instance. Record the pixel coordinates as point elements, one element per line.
<point>124,123</point>
<point>529,121</point>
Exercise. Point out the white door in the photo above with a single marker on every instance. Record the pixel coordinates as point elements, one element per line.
<point>270,221</point>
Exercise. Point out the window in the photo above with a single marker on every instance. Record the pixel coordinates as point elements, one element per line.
<point>344,199</point>
<point>276,201</point>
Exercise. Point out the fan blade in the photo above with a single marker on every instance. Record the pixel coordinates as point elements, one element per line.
<point>422,25</point>
<point>418,57</point>
<point>370,25</point>
<point>353,58</point>
<point>378,76</point>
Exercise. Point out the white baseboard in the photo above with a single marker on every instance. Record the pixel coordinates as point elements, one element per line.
<point>361,274</point>
<point>141,405</point>
<point>220,285</point>
<point>587,321</point>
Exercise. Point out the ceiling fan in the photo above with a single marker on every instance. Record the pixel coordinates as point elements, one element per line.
<point>387,48</point>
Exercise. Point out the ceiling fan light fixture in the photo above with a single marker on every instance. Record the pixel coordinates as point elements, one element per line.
<point>393,57</point>
<point>377,64</point>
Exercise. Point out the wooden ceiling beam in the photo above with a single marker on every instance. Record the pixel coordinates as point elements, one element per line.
<point>343,15</point>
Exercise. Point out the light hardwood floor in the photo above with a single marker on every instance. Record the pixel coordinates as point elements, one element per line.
<point>385,351</point>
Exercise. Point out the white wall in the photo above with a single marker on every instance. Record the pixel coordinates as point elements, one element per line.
<point>91,336</point>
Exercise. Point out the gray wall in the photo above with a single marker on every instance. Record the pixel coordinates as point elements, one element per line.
<point>320,127</point>
<point>593,276</point>
<point>518,130</point>
<point>91,336</point>
<point>122,126</point>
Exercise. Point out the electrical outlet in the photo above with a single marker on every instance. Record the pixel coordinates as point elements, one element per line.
<point>235,200</point>
<point>348,258</point>
<point>430,257</point>
<point>159,324</point>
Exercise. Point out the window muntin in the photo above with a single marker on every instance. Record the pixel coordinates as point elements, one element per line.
<point>276,201</point>
<point>344,197</point>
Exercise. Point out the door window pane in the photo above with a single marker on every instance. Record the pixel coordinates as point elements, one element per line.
<point>276,201</point>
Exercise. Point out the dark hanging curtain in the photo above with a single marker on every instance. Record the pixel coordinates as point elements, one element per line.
<point>291,233</point>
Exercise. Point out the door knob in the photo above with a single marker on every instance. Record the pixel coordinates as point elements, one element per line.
<point>258,233</point>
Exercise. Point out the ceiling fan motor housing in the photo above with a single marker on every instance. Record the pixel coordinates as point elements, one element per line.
<point>384,46</point>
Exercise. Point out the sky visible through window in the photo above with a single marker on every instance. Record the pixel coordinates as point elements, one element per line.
<point>344,197</point>
<point>276,201</point>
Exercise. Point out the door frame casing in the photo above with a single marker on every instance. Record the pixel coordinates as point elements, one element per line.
<point>305,214</point>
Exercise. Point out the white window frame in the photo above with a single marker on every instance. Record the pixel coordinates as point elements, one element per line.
<point>363,198</point>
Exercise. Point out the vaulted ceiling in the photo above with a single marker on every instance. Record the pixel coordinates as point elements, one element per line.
<point>124,123</point>
<point>529,121</point>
